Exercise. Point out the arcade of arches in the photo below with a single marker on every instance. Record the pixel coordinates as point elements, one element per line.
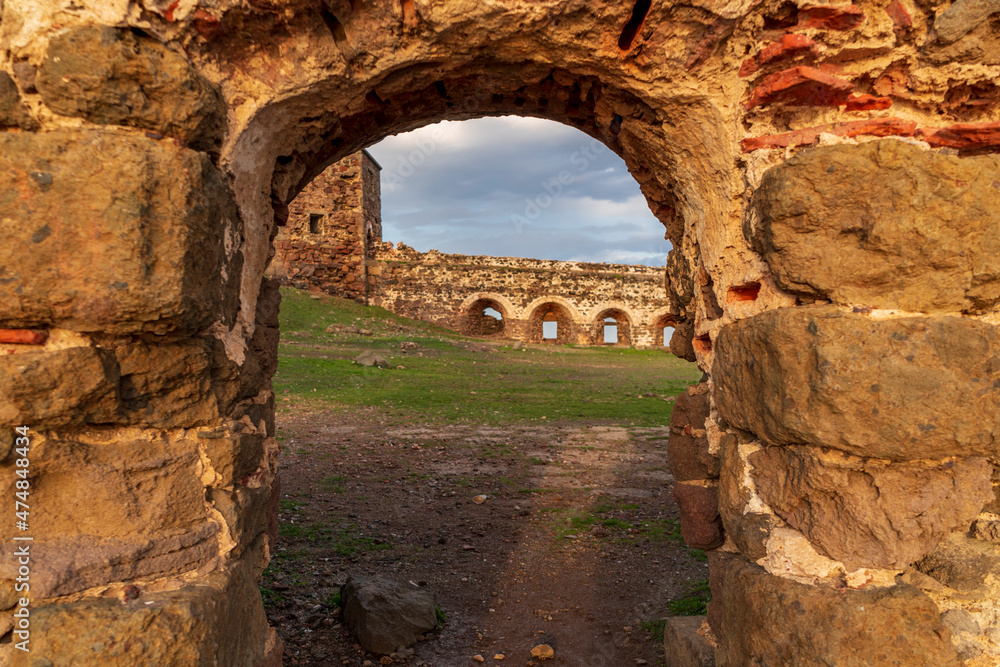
<point>827,175</point>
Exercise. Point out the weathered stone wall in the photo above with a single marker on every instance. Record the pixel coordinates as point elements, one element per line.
<point>824,174</point>
<point>331,229</point>
<point>453,290</point>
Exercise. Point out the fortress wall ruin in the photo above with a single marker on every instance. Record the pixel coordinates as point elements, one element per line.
<point>452,290</point>
<point>330,225</point>
<point>332,242</point>
<point>827,174</point>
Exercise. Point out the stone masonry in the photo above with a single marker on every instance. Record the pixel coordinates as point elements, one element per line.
<point>827,174</point>
<point>332,230</point>
<point>332,241</point>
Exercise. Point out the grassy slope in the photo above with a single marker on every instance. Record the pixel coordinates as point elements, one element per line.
<point>451,377</point>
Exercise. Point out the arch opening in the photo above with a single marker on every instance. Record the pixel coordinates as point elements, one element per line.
<point>612,326</point>
<point>485,317</point>
<point>550,322</point>
<point>662,329</point>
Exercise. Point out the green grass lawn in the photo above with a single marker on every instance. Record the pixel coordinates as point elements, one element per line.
<point>454,378</point>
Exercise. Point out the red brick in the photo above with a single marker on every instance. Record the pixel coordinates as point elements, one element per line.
<point>825,17</point>
<point>867,103</point>
<point>900,15</point>
<point>789,46</point>
<point>23,336</point>
<point>800,86</point>
<point>964,136</point>
<point>874,127</point>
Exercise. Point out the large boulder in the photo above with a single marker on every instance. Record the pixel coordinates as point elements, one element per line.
<point>385,614</point>
<point>902,388</point>
<point>870,513</point>
<point>883,224</point>
<point>770,621</point>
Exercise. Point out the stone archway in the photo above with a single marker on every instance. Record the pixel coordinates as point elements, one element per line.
<point>479,322</point>
<point>661,324</point>
<point>550,310</point>
<point>622,323</point>
<point>849,335</point>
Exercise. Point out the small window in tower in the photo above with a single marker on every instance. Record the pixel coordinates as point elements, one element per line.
<point>314,220</point>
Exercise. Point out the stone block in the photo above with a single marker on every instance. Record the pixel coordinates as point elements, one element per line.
<point>245,513</point>
<point>134,242</point>
<point>8,594</point>
<point>769,620</point>
<point>62,386</point>
<point>883,224</point>
<point>165,386</point>
<point>112,76</point>
<point>870,513</point>
<point>965,564</point>
<point>13,113</point>
<point>809,136</point>
<point>902,388</point>
<point>113,504</point>
<point>687,449</point>
<point>234,456</point>
<point>701,526</point>
<point>962,17</point>
<point>800,86</point>
<point>682,644</point>
<point>748,530</point>
<point>218,620</point>
<point>719,563</point>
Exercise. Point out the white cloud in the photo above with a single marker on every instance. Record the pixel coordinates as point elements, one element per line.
<point>455,186</point>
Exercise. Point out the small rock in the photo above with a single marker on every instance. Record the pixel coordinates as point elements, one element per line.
<point>478,658</point>
<point>369,358</point>
<point>499,656</point>
<point>543,652</point>
<point>385,614</point>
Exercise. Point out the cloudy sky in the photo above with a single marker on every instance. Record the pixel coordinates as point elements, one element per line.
<point>518,187</point>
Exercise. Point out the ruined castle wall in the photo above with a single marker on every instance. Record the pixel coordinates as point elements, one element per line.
<point>332,242</point>
<point>324,242</point>
<point>446,288</point>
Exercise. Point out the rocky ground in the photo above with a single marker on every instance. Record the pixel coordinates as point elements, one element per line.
<point>576,544</point>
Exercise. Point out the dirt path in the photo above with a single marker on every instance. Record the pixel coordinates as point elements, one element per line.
<point>575,546</point>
